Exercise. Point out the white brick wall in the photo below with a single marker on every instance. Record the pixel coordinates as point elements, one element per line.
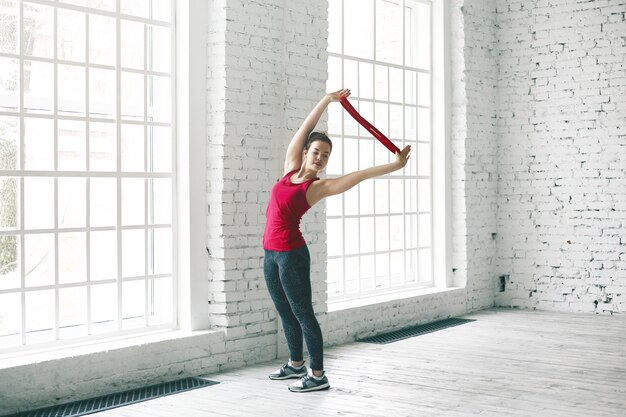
<point>562,147</point>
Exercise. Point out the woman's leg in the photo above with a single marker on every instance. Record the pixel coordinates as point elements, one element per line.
<point>295,276</point>
<point>291,326</point>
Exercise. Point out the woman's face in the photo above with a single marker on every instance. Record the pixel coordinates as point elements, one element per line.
<point>316,157</point>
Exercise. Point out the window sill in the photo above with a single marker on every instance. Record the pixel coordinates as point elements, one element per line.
<point>346,304</point>
<point>66,351</point>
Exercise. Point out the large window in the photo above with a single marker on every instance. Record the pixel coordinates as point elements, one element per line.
<point>86,169</point>
<point>380,233</point>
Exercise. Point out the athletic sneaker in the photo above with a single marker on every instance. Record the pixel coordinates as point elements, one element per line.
<point>287,371</point>
<point>310,382</point>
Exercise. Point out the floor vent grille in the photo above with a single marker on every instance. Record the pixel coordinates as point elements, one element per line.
<point>414,331</point>
<point>94,405</point>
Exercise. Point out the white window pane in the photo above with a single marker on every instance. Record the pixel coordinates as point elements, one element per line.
<point>334,26</point>
<point>102,147</point>
<point>72,202</point>
<point>154,9</point>
<point>103,308</point>
<point>389,31</point>
<point>352,274</point>
<point>161,251</point>
<point>395,85</point>
<point>410,123</point>
<point>423,124</point>
<point>335,277</point>
<point>351,155</point>
<point>351,78</point>
<point>102,35</point>
<point>162,10</point>
<point>410,87</point>
<point>38,144</point>
<point>359,23</point>
<point>334,82</point>
<point>425,230</point>
<point>38,30</point>
<point>381,118</point>
<point>102,96</point>
<point>397,269</point>
<point>352,232</point>
<point>39,316</point>
<point>396,122</point>
<point>366,197</point>
<point>133,148</point>
<point>420,29</point>
<point>366,77</point>
<point>425,273</point>
<point>159,99</point>
<point>11,323</point>
<point>367,234</point>
<point>9,84</point>
<point>411,266</point>
<point>71,146</point>
<point>382,270</point>
<point>8,27</point>
<point>9,142</point>
<point>9,262</point>
<point>381,193</point>
<point>39,259</point>
<point>133,304</point>
<point>423,195</point>
<point>334,240</point>
<point>132,96</point>
<point>160,200</point>
<point>103,255</point>
<point>103,202</point>
<point>38,87</point>
<point>160,142</point>
<point>161,301</point>
<point>396,195</point>
<point>133,201</point>
<point>423,89</point>
<point>335,113</point>
<point>72,312</point>
<point>410,196</point>
<point>396,226</point>
<point>367,273</point>
<point>423,159</point>
<point>159,49</point>
<point>9,202</point>
<point>351,200</point>
<point>72,257</point>
<point>71,35</point>
<point>133,253</point>
<point>38,193</point>
<point>381,82</point>
<point>382,233</point>
<point>132,44</point>
<point>366,153</point>
<point>411,231</point>
<point>71,90</point>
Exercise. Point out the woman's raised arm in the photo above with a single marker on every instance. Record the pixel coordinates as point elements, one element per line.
<point>293,158</point>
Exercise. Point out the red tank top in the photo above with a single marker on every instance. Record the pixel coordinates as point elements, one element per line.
<point>285,209</point>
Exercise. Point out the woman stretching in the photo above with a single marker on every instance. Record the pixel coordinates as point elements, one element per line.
<point>287,264</point>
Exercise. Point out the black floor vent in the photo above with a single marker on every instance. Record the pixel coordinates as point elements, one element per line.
<point>94,405</point>
<point>414,331</point>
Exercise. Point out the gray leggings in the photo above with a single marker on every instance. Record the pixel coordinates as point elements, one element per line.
<point>288,278</point>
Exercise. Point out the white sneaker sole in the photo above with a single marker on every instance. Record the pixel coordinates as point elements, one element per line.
<point>315,388</point>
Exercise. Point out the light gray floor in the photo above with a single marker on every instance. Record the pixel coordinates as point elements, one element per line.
<point>506,363</point>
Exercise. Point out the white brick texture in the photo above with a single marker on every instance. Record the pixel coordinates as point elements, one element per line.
<point>561,153</point>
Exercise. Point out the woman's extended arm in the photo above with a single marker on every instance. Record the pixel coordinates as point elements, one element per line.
<point>293,158</point>
<point>327,187</point>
